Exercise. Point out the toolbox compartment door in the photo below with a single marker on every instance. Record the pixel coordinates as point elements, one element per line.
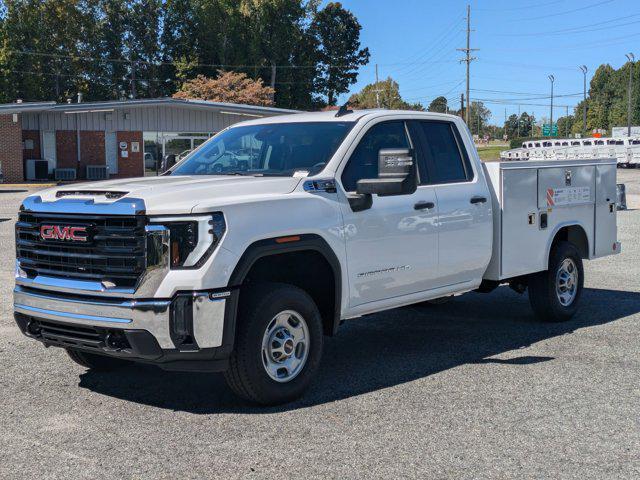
<point>521,237</point>
<point>566,186</point>
<point>605,221</point>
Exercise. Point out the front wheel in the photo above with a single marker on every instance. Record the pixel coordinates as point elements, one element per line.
<point>278,344</point>
<point>554,293</point>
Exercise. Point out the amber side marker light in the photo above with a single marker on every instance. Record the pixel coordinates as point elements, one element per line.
<point>294,238</point>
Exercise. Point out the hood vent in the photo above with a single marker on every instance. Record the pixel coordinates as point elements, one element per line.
<point>91,193</point>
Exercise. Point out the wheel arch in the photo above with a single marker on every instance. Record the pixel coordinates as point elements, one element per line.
<point>573,232</point>
<point>301,256</point>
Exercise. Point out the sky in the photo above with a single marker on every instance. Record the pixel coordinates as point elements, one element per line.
<point>520,42</point>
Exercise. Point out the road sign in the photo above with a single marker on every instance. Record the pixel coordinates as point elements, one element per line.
<point>549,130</point>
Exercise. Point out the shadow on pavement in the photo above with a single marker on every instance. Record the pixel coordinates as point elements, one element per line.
<point>383,350</point>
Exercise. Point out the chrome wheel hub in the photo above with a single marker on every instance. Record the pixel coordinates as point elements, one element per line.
<point>567,282</point>
<point>285,346</point>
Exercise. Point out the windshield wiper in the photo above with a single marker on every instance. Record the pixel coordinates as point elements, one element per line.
<point>241,174</point>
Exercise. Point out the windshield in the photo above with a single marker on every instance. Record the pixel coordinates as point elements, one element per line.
<point>275,149</point>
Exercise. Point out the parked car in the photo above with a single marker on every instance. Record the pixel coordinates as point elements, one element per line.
<point>331,216</point>
<point>149,161</point>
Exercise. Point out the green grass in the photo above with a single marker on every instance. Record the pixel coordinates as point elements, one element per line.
<point>491,153</point>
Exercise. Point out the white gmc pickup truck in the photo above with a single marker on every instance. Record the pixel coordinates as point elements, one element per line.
<point>256,246</point>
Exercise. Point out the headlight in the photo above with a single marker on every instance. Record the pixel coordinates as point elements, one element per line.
<point>192,239</point>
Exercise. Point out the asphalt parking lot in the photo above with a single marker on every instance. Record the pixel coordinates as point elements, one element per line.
<point>475,388</point>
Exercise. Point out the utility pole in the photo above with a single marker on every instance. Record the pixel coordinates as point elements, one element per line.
<point>631,59</point>
<point>273,80</point>
<point>377,89</point>
<point>468,58</point>
<point>462,105</point>
<point>566,124</point>
<point>553,79</point>
<point>133,79</point>
<point>584,100</point>
<point>519,119</point>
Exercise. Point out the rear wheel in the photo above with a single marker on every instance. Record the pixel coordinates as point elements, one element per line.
<point>554,293</point>
<point>95,362</point>
<point>278,345</point>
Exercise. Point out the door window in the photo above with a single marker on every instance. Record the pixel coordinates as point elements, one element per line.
<point>364,160</point>
<point>441,155</point>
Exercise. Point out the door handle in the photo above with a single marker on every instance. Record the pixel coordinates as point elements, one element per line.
<point>424,206</point>
<point>478,199</point>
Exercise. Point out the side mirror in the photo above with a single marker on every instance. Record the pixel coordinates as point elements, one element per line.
<point>396,174</point>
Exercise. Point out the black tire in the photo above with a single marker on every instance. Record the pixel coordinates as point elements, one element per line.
<point>543,295</point>
<point>247,376</point>
<point>92,361</point>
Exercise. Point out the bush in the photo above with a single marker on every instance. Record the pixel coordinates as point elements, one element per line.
<point>517,142</point>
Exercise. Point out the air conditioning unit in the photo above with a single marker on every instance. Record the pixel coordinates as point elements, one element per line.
<point>37,169</point>
<point>97,172</point>
<point>65,174</point>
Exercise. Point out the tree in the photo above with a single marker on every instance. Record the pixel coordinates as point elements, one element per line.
<point>565,125</point>
<point>53,49</point>
<point>479,115</point>
<point>385,93</point>
<point>229,87</point>
<point>525,122</point>
<point>143,45</point>
<point>337,33</point>
<point>439,105</point>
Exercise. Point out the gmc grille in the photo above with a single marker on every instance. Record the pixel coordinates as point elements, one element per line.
<point>114,250</point>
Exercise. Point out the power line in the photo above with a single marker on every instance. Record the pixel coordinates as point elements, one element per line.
<point>430,53</point>
<point>165,63</point>
<point>524,7</point>
<point>500,102</point>
<point>543,97</point>
<point>439,38</point>
<point>580,29</point>
<point>586,7</point>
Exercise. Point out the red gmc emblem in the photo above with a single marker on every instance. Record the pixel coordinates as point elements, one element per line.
<point>57,232</point>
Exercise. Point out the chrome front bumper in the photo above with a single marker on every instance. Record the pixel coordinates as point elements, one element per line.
<point>152,316</point>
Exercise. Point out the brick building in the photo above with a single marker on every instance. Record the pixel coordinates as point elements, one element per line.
<point>115,139</point>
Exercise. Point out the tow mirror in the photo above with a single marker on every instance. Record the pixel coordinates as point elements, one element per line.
<point>396,174</point>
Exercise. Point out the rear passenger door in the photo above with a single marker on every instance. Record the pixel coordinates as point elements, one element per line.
<point>465,231</point>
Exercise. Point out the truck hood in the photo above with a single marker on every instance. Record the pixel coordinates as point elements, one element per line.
<point>175,194</point>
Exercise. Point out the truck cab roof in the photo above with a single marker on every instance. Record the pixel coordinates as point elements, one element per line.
<point>352,116</point>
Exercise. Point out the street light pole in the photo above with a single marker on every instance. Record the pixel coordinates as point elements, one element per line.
<point>584,100</point>
<point>552,79</point>
<point>631,59</point>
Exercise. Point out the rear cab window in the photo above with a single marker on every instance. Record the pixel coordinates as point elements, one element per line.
<point>442,157</point>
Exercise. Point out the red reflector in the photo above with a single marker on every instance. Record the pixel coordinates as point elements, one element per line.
<point>294,238</point>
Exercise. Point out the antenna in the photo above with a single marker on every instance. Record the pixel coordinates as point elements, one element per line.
<point>344,110</point>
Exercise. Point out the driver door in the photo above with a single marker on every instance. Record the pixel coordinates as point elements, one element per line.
<point>392,247</point>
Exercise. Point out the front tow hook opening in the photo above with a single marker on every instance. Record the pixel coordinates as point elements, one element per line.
<point>115,341</point>
<point>34,329</point>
